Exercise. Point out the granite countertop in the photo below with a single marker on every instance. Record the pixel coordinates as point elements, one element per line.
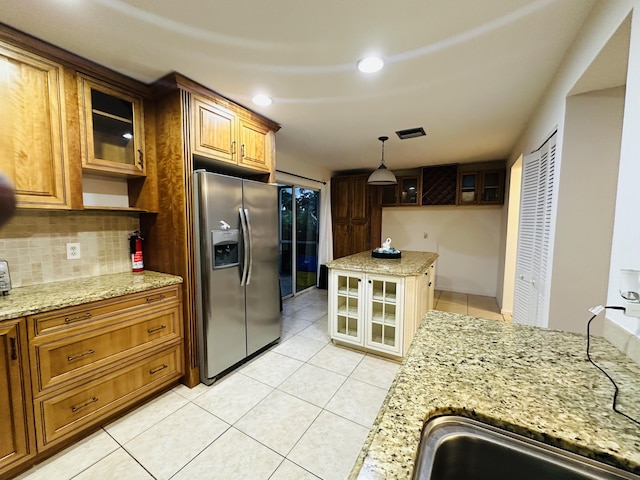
<point>44,297</point>
<point>527,380</point>
<point>411,263</point>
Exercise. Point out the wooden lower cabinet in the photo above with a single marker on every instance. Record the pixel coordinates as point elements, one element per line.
<point>17,442</point>
<point>90,361</point>
<point>62,357</point>
<point>68,411</point>
<point>65,372</point>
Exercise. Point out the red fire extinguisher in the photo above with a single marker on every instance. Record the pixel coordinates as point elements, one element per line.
<point>135,244</point>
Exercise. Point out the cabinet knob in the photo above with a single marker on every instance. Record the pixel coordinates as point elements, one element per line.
<point>242,150</point>
<point>369,281</point>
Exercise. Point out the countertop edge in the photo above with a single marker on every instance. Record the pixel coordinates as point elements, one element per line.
<point>34,299</point>
<point>411,264</point>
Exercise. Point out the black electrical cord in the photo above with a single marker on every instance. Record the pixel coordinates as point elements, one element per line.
<point>615,386</point>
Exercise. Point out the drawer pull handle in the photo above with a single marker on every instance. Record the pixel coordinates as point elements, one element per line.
<point>79,317</point>
<point>157,329</point>
<point>155,299</point>
<point>14,352</point>
<point>80,407</point>
<point>75,357</point>
<point>156,370</point>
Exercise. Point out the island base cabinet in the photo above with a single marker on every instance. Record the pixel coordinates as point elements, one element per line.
<point>376,312</point>
<point>368,311</point>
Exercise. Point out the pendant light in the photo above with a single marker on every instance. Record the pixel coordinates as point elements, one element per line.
<point>382,176</point>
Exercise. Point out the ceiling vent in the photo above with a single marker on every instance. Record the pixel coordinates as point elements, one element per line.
<point>411,133</point>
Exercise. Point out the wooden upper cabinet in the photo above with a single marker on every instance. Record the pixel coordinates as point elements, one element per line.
<point>111,130</point>
<point>17,442</point>
<point>355,221</point>
<point>214,130</point>
<point>226,135</point>
<point>32,128</point>
<point>359,196</point>
<point>341,201</point>
<point>253,145</point>
<point>481,187</point>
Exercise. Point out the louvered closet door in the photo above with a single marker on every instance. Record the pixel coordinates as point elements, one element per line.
<point>532,269</point>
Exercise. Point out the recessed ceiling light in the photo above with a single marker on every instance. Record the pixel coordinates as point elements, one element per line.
<point>262,100</point>
<point>127,135</point>
<point>370,64</point>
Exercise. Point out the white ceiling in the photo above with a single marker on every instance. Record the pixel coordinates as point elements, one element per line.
<point>469,71</point>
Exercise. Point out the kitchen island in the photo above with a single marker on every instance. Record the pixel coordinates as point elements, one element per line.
<point>376,304</point>
<point>528,380</point>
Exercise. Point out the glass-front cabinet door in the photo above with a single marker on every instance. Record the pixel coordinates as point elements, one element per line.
<point>384,316</point>
<point>112,129</point>
<point>468,188</point>
<point>347,306</point>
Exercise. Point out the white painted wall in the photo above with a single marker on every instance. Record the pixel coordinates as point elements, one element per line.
<point>466,238</point>
<point>586,206</point>
<point>602,23</point>
<point>511,241</point>
<point>299,166</point>
<point>625,250</point>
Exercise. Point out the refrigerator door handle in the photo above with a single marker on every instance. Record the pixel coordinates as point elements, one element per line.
<point>246,215</point>
<point>247,245</point>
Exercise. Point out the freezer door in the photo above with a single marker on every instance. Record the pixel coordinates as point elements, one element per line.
<point>262,289</point>
<point>221,321</point>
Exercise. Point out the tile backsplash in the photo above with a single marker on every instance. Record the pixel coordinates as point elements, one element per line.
<point>35,244</point>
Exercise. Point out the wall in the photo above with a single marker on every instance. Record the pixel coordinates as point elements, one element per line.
<point>511,240</point>
<point>34,244</point>
<point>600,26</point>
<point>298,166</point>
<point>586,206</point>
<point>466,238</point>
<point>625,249</point>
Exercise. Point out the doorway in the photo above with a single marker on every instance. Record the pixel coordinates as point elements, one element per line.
<point>299,228</point>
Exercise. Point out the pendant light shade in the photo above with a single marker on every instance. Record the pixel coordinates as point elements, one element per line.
<point>382,176</point>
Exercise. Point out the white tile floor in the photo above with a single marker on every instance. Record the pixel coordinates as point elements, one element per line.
<point>300,411</point>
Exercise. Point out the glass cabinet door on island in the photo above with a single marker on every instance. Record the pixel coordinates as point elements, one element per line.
<point>112,133</point>
<point>384,316</point>
<point>347,308</point>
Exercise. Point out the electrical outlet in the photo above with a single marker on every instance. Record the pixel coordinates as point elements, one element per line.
<point>73,251</point>
<point>632,309</point>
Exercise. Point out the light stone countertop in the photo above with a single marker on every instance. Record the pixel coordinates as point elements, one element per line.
<point>411,263</point>
<point>44,297</point>
<point>528,380</point>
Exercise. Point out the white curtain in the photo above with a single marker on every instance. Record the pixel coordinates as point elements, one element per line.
<point>325,242</point>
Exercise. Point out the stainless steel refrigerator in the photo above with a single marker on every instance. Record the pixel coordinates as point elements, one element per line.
<point>238,293</point>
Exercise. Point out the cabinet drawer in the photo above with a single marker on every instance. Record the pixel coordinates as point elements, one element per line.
<point>69,412</point>
<point>69,358</point>
<point>72,317</point>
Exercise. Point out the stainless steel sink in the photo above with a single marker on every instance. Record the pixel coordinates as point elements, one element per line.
<point>455,448</point>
